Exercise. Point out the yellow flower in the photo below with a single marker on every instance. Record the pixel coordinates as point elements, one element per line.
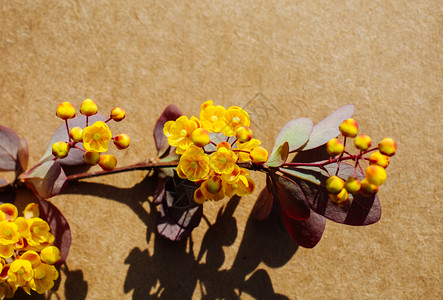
<point>9,210</point>
<point>21,272</point>
<point>234,118</point>
<point>213,188</point>
<point>96,137</point>
<point>212,117</point>
<point>194,163</point>
<point>243,186</point>
<point>179,132</point>
<point>39,231</point>
<point>8,233</point>
<point>245,148</point>
<point>233,176</point>
<point>7,288</point>
<point>223,161</point>
<point>31,211</point>
<point>44,276</point>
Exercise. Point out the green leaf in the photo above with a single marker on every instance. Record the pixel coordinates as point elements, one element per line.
<point>311,174</point>
<point>295,132</point>
<point>327,129</point>
<point>279,156</point>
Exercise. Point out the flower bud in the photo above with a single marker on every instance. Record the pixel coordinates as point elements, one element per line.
<point>108,162</point>
<point>122,141</point>
<point>224,145</point>
<point>76,134</point>
<point>118,114</point>
<point>341,198</point>
<point>334,185</point>
<point>259,155</point>
<point>88,108</point>
<point>335,147</point>
<point>60,149</point>
<point>362,142</point>
<point>91,158</point>
<point>352,185</point>
<point>368,189</point>
<point>199,197</point>
<point>376,158</point>
<point>50,255</point>
<point>243,134</point>
<point>65,111</point>
<point>200,137</point>
<point>387,146</point>
<point>349,128</point>
<point>376,174</point>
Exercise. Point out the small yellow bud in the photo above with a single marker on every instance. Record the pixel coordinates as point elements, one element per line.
<point>60,149</point>
<point>88,108</point>
<point>349,128</point>
<point>224,145</point>
<point>65,111</point>
<point>368,189</point>
<point>376,158</point>
<point>376,174</point>
<point>362,142</point>
<point>50,255</point>
<point>108,162</point>
<point>334,185</point>
<point>387,146</point>
<point>341,198</point>
<point>352,185</point>
<point>122,141</point>
<point>118,114</point>
<point>91,158</point>
<point>259,155</point>
<point>200,137</point>
<point>76,134</point>
<point>243,134</point>
<point>335,147</point>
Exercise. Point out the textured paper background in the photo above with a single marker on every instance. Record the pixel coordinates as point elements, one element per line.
<point>282,60</point>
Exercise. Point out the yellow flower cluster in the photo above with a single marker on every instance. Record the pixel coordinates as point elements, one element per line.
<point>216,170</point>
<point>95,138</point>
<point>27,253</point>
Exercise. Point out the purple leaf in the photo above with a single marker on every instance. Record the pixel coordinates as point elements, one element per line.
<point>7,195</point>
<point>290,196</point>
<point>75,156</point>
<point>358,211</point>
<point>159,192</point>
<point>307,233</point>
<point>9,145</point>
<point>59,226</point>
<point>328,128</point>
<point>171,113</point>
<point>179,214</point>
<point>3,182</point>
<point>263,205</point>
<point>46,179</point>
<point>22,155</point>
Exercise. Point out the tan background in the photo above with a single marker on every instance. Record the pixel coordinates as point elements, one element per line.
<point>302,59</point>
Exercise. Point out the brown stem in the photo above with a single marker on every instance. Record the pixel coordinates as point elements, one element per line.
<point>137,166</point>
